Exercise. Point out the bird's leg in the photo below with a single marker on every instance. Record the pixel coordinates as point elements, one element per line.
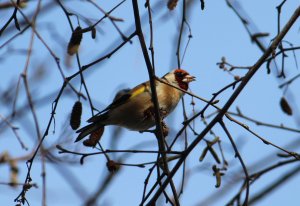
<point>165,128</point>
<point>163,112</point>
<point>150,113</point>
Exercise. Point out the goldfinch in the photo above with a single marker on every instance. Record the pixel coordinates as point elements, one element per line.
<point>134,110</point>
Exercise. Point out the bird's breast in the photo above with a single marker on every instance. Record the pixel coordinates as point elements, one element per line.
<point>168,98</point>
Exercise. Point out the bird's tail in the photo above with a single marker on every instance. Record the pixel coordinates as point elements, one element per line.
<point>84,131</point>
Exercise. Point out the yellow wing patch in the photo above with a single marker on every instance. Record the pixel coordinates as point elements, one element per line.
<point>138,90</point>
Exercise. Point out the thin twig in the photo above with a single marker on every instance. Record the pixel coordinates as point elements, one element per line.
<point>219,116</point>
<point>238,155</point>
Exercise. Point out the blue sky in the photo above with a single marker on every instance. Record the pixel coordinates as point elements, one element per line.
<point>216,32</point>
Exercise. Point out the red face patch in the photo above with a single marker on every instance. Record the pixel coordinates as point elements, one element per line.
<point>179,76</point>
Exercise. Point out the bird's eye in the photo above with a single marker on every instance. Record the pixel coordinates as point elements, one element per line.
<point>179,74</point>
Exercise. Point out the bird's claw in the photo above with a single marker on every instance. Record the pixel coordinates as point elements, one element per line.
<point>165,129</point>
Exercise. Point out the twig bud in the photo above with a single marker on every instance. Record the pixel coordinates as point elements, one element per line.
<point>285,106</point>
<point>236,77</point>
<point>94,138</point>
<point>93,33</point>
<point>75,40</point>
<point>172,4</point>
<point>218,175</point>
<point>203,154</point>
<point>76,115</point>
<point>14,172</point>
<point>112,166</point>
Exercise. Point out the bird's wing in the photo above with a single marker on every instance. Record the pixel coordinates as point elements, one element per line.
<point>141,88</point>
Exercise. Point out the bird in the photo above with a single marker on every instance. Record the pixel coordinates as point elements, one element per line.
<point>133,108</point>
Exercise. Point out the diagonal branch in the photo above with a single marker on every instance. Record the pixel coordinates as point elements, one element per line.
<point>233,97</point>
<point>159,133</point>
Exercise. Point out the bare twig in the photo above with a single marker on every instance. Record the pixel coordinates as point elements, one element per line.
<point>159,133</point>
<point>239,89</point>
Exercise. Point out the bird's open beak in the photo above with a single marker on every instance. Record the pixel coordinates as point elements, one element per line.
<point>188,78</point>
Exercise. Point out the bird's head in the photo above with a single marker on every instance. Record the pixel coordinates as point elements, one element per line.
<point>180,78</point>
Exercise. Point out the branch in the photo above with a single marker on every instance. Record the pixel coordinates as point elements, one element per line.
<point>159,133</point>
<point>237,154</point>
<point>246,79</point>
<point>275,185</point>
